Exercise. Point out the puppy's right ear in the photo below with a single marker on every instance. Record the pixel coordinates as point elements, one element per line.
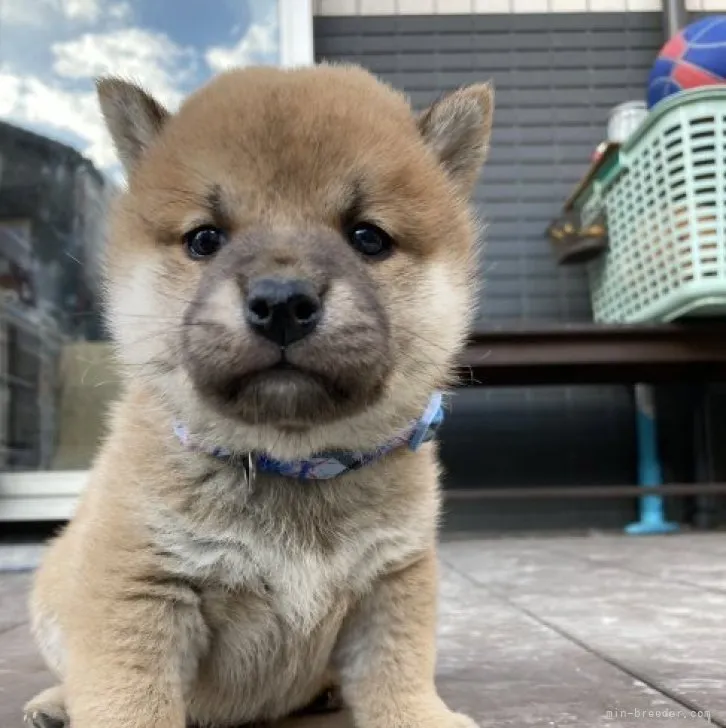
<point>133,117</point>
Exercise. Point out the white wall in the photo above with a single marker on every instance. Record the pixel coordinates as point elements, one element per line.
<point>458,7</point>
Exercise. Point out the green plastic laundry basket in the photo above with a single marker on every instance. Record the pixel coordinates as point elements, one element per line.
<point>665,206</point>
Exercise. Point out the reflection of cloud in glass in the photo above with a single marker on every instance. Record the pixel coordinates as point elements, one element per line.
<point>37,12</point>
<point>87,10</point>
<point>52,50</point>
<point>151,58</point>
<point>258,45</point>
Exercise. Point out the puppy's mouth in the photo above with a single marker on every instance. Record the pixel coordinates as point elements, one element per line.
<point>285,394</point>
<point>283,365</point>
<point>283,374</point>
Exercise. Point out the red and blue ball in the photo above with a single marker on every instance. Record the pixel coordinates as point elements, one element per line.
<point>693,58</point>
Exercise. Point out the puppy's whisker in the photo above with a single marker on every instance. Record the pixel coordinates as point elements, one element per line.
<point>148,317</point>
<point>410,358</point>
<point>420,337</point>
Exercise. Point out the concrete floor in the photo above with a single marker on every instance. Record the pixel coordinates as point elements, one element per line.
<point>551,631</point>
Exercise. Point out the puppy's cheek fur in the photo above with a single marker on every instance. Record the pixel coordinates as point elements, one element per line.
<point>222,307</point>
<point>430,327</point>
<point>341,309</point>
<point>449,310</point>
<point>140,316</point>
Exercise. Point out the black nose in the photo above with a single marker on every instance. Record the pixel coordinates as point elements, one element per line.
<point>283,310</point>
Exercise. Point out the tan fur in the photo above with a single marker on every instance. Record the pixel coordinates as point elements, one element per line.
<point>178,592</point>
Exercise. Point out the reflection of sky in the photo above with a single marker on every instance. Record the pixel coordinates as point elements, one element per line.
<point>50,51</point>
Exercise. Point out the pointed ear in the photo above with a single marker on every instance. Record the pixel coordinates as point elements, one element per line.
<point>132,116</point>
<point>457,128</point>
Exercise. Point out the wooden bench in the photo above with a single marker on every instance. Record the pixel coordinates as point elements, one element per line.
<point>599,354</point>
<point>594,354</point>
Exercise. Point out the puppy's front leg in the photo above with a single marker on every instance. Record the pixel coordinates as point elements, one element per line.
<point>132,670</point>
<point>387,654</point>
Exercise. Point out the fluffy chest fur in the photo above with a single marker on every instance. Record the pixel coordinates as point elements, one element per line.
<point>301,546</point>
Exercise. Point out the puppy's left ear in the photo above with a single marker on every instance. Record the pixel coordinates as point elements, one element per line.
<point>457,128</point>
<point>133,117</point>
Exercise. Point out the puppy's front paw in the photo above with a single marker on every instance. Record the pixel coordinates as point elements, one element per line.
<point>459,720</point>
<point>428,719</point>
<point>47,710</point>
<point>448,720</point>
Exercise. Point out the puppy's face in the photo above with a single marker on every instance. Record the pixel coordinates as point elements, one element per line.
<point>294,251</point>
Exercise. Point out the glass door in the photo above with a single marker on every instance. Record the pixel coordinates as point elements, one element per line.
<point>57,172</point>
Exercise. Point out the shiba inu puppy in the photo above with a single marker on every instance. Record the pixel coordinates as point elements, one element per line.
<point>290,276</point>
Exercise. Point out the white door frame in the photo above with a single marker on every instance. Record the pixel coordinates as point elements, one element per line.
<point>296,32</point>
<point>52,495</point>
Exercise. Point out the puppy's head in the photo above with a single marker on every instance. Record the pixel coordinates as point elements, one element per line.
<point>292,263</point>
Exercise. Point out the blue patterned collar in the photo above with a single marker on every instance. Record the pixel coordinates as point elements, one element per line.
<point>330,464</point>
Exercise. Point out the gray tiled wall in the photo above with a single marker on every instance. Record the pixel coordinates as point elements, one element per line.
<point>557,76</point>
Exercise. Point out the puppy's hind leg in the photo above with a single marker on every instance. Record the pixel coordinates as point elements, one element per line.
<point>47,710</point>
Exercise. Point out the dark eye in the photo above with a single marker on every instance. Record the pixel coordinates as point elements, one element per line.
<point>370,240</point>
<point>202,242</point>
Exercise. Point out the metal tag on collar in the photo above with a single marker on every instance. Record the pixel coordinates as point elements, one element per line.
<point>249,468</point>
